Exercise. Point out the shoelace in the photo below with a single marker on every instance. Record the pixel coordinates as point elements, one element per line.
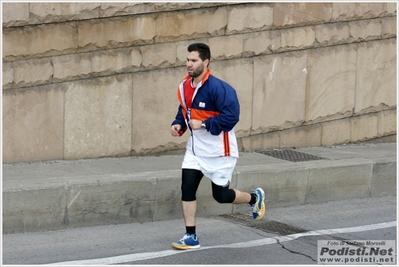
<point>186,236</point>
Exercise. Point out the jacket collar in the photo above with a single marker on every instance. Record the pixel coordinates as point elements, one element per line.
<point>204,79</point>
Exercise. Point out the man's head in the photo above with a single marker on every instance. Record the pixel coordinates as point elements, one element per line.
<point>198,59</point>
<point>202,49</point>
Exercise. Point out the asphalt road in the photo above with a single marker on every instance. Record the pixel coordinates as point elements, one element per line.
<point>287,235</point>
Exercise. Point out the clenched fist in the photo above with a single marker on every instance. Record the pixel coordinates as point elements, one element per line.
<point>175,129</point>
<point>195,124</point>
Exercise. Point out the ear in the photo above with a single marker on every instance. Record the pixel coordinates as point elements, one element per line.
<point>207,61</point>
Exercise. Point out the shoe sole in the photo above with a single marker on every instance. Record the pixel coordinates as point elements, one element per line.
<point>263,207</point>
<point>263,212</point>
<point>185,247</point>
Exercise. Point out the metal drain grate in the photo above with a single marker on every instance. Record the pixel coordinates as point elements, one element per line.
<point>265,225</point>
<point>290,155</point>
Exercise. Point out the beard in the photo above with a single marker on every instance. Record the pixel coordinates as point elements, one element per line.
<point>197,72</point>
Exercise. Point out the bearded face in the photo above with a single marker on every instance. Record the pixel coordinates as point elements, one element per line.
<point>195,65</point>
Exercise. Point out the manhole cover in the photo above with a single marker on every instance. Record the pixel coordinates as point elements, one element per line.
<point>265,225</point>
<point>290,155</point>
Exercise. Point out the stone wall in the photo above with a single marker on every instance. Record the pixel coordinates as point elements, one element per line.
<point>87,80</point>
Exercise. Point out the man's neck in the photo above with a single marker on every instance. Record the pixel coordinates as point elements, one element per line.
<point>198,79</point>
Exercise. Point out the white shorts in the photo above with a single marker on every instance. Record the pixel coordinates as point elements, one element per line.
<point>218,169</point>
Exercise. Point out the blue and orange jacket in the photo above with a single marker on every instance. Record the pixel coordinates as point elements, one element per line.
<point>215,102</point>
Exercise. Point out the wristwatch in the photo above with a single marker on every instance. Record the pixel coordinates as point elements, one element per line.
<point>203,125</point>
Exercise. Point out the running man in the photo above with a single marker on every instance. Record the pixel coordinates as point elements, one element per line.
<point>210,109</point>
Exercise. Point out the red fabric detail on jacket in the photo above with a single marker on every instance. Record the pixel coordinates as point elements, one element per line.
<point>188,93</point>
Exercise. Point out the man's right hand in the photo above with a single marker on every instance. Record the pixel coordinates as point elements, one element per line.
<point>175,129</point>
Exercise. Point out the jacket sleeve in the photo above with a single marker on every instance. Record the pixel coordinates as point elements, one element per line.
<point>226,101</point>
<point>179,119</point>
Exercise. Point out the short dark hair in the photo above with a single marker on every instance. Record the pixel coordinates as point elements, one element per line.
<point>202,49</point>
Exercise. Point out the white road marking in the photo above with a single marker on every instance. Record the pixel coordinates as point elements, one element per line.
<point>253,243</point>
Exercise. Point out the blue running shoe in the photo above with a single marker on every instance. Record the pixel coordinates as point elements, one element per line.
<point>187,242</point>
<point>259,208</point>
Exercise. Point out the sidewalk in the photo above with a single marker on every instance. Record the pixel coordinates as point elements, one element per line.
<point>59,194</point>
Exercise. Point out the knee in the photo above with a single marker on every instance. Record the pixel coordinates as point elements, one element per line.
<point>219,198</point>
<point>225,196</point>
<point>186,196</point>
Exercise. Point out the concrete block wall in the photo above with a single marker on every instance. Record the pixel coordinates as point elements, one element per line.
<point>88,80</point>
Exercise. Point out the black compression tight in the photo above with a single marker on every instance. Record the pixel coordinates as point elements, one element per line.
<point>190,182</point>
<point>223,194</point>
